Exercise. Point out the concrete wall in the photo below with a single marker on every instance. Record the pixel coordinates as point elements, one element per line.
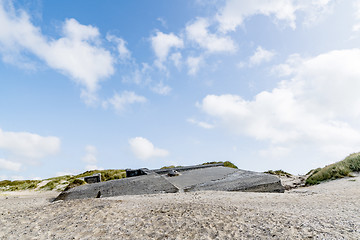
<point>146,184</point>
<point>214,178</point>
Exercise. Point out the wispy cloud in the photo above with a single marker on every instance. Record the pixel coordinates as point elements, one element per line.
<point>119,101</point>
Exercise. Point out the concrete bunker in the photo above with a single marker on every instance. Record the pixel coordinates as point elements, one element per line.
<point>212,177</point>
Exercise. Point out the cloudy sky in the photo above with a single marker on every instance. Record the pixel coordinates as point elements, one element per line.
<point>129,84</point>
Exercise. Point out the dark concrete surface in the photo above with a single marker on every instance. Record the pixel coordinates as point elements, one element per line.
<point>214,178</point>
<point>241,180</point>
<point>146,184</point>
<point>194,177</point>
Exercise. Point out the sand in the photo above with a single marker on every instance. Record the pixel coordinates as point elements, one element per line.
<point>327,211</point>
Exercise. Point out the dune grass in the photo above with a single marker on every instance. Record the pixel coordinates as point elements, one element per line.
<point>279,173</point>
<point>18,185</point>
<point>226,164</point>
<point>168,167</point>
<point>60,182</point>
<point>336,170</point>
<point>69,181</point>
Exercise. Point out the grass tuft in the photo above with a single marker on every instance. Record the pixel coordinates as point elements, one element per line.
<point>226,164</point>
<point>279,173</point>
<point>336,170</point>
<point>74,183</point>
<point>18,185</point>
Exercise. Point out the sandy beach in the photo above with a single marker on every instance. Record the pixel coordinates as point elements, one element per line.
<point>327,211</point>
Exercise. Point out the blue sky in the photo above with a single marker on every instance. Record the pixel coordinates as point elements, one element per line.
<point>129,84</point>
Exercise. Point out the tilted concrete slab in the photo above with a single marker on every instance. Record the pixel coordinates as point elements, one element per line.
<point>215,178</point>
<point>146,184</point>
<point>241,180</point>
<point>198,176</point>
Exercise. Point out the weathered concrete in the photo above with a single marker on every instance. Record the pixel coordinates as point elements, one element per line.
<point>186,168</point>
<point>146,184</point>
<point>194,177</point>
<point>241,180</point>
<point>95,178</point>
<point>215,178</point>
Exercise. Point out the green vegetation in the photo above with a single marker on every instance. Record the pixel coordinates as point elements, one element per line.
<point>61,182</point>
<point>226,164</point>
<point>279,173</point>
<point>7,185</point>
<point>336,170</point>
<point>69,181</point>
<point>74,183</point>
<point>172,166</point>
<point>106,175</point>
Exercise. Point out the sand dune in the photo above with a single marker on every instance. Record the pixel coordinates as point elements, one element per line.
<point>326,211</point>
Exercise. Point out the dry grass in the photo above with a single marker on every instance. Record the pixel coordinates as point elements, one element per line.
<point>336,170</point>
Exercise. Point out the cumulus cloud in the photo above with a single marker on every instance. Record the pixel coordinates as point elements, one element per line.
<point>198,32</point>
<point>143,149</point>
<point>316,109</point>
<point>28,145</point>
<point>123,51</point>
<point>261,55</point>
<point>194,64</point>
<point>9,165</point>
<point>162,44</point>
<point>234,13</point>
<point>90,158</point>
<point>77,54</point>
<point>119,101</point>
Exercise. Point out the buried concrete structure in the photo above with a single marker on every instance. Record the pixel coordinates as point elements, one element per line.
<point>214,177</point>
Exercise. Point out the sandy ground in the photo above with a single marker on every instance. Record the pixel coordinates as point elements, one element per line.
<point>327,211</point>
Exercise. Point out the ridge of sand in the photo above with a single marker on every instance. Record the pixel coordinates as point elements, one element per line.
<point>327,211</point>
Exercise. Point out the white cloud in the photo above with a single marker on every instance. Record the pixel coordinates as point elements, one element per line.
<point>235,12</point>
<point>90,156</point>
<point>176,58</point>
<point>92,167</point>
<point>13,178</point>
<point>58,174</point>
<point>161,89</point>
<point>198,32</point>
<point>356,26</point>
<point>200,123</point>
<point>287,68</point>
<point>144,149</point>
<point>275,152</point>
<point>124,53</point>
<point>162,43</point>
<point>119,102</point>
<point>28,145</point>
<point>77,53</point>
<point>9,165</point>
<point>260,56</point>
<point>316,109</point>
<point>194,64</point>
<point>140,75</point>
<point>162,21</point>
